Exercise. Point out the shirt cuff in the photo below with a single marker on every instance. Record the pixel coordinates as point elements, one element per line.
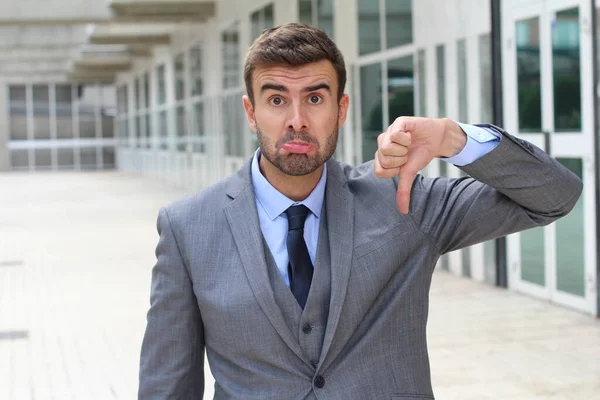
<point>480,141</point>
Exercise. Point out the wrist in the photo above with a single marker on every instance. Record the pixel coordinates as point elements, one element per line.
<point>455,139</point>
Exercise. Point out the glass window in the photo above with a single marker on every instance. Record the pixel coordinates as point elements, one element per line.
<point>401,88</point>
<point>88,158</point>
<point>17,94</point>
<point>65,158</point>
<point>162,85</point>
<point>528,75</point>
<point>485,76</point>
<point>369,36</point>
<point>441,79</point>
<point>325,16</point>
<point>138,130</point>
<point>305,12</point>
<point>443,169</point>
<point>398,24</point>
<point>137,86</point>
<point>108,104</point>
<point>122,100</point>
<point>147,90</point>
<point>461,68</point>
<point>466,261</point>
<point>230,48</point>
<point>269,18</point>
<point>181,128</point>
<point>108,126</point>
<point>233,125</point>
<point>318,13</point>
<point>123,128</point>
<point>566,71</point>
<point>570,262</point>
<point>19,159</point>
<point>422,71</point>
<point>43,159</point>
<point>64,112</point>
<point>255,25</point>
<point>489,262</point>
<point>195,56</point>
<point>148,131</point>
<point>371,108</point>
<point>199,134</point>
<point>163,130</point>
<point>533,256</point>
<point>18,113</point>
<point>179,68</point>
<point>41,112</point>
<point>398,20</point>
<point>108,157</point>
<point>89,99</point>
<point>261,20</point>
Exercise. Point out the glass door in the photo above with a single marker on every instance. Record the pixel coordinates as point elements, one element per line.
<point>548,101</point>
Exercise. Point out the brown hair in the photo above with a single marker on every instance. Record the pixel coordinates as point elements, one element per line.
<point>294,45</point>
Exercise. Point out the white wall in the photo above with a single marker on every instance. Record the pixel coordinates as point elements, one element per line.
<point>438,21</point>
<point>27,10</point>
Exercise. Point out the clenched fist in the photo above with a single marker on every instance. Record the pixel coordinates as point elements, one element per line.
<point>409,144</point>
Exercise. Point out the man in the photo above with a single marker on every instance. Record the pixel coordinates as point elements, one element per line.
<point>305,278</point>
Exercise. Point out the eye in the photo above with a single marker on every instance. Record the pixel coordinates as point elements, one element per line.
<point>314,99</point>
<point>276,101</point>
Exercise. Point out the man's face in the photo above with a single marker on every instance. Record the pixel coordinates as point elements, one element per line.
<point>296,115</point>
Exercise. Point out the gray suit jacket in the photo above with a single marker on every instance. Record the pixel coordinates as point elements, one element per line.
<point>211,290</point>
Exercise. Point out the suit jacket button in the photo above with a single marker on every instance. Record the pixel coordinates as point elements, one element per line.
<point>307,328</point>
<point>319,382</point>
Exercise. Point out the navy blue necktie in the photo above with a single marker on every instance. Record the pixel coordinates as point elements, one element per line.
<point>300,268</point>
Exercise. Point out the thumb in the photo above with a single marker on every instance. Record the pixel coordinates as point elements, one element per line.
<point>406,179</point>
<point>418,158</point>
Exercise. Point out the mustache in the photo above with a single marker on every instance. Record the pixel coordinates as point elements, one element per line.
<point>301,136</point>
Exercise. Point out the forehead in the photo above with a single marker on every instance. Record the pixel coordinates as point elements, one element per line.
<point>290,76</point>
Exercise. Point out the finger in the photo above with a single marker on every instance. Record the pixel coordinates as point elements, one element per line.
<point>392,149</point>
<point>407,177</point>
<point>400,137</point>
<point>382,172</point>
<point>404,124</point>
<point>389,162</point>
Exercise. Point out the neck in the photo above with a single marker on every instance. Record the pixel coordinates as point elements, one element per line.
<point>296,188</point>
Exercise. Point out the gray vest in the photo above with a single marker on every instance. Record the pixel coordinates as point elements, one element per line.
<point>309,324</point>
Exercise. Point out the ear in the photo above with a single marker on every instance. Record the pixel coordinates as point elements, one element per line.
<point>343,110</point>
<point>249,113</point>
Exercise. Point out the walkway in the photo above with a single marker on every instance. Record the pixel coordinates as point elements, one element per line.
<point>76,251</point>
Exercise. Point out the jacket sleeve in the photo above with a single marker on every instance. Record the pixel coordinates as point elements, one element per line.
<point>514,187</point>
<point>172,355</point>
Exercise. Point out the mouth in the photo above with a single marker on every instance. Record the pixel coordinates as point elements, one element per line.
<point>296,147</point>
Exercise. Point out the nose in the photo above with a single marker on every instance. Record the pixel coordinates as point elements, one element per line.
<point>298,118</point>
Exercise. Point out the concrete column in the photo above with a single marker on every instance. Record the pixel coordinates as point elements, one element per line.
<point>4,129</point>
<point>345,25</point>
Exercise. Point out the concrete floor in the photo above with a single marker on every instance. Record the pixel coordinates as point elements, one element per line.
<point>76,251</point>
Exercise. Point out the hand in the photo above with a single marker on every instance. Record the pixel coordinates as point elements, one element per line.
<point>409,145</point>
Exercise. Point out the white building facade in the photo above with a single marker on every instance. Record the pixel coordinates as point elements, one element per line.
<point>529,65</point>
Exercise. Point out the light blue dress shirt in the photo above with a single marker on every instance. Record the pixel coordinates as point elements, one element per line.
<point>271,204</point>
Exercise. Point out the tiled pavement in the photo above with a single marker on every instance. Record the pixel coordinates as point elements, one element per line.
<point>76,251</point>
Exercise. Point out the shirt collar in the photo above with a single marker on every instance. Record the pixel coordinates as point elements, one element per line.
<point>274,202</point>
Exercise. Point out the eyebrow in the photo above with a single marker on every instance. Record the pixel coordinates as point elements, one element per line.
<point>281,88</point>
<point>317,87</point>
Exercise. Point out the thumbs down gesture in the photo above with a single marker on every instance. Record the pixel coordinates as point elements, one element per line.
<point>409,145</point>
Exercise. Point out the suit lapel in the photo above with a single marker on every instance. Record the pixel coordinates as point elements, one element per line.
<point>243,221</point>
<point>340,221</point>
